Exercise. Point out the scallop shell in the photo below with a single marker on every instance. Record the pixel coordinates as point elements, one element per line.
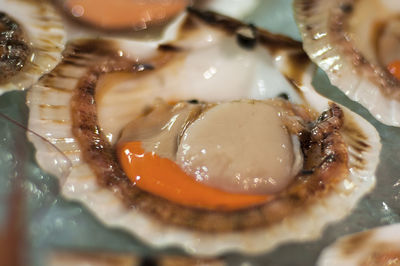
<point>50,115</point>
<point>337,36</point>
<point>378,246</point>
<point>45,33</point>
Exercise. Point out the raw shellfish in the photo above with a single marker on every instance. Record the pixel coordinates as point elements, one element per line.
<point>32,39</point>
<point>85,102</point>
<point>353,42</point>
<point>378,246</point>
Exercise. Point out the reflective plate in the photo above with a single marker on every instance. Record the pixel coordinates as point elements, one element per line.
<point>54,223</point>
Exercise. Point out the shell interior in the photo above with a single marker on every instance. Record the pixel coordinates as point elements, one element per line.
<point>186,76</point>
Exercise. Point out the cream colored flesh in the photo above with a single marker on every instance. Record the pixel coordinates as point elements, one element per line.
<point>240,147</point>
<point>213,68</point>
<point>159,131</point>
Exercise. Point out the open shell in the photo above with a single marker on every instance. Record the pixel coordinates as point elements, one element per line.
<point>50,115</point>
<point>44,30</point>
<point>378,246</point>
<point>340,36</point>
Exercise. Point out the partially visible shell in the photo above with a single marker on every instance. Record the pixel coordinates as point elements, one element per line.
<point>374,247</point>
<point>44,30</point>
<point>338,36</point>
<point>50,116</point>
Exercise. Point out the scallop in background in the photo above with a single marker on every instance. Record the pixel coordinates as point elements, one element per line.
<point>136,20</point>
<point>32,39</point>
<point>122,15</point>
<point>357,44</point>
<point>374,247</point>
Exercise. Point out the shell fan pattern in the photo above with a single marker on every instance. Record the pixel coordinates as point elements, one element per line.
<point>84,103</point>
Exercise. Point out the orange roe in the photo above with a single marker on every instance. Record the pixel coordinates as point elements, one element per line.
<point>163,177</point>
<point>394,68</point>
<point>124,14</point>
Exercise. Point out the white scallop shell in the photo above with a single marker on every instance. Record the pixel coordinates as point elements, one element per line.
<point>353,250</point>
<point>50,116</point>
<point>326,49</point>
<point>45,31</point>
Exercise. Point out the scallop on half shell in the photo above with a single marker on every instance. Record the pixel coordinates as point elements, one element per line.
<point>374,247</point>
<point>354,42</point>
<point>32,39</point>
<point>97,100</point>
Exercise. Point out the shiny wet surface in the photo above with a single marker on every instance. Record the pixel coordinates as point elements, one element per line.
<point>55,223</point>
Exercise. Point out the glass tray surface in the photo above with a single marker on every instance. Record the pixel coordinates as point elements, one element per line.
<point>56,223</point>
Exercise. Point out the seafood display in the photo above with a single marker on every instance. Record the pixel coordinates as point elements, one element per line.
<point>379,246</point>
<point>357,44</point>
<point>34,33</point>
<point>31,42</point>
<point>180,132</point>
<point>161,145</point>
